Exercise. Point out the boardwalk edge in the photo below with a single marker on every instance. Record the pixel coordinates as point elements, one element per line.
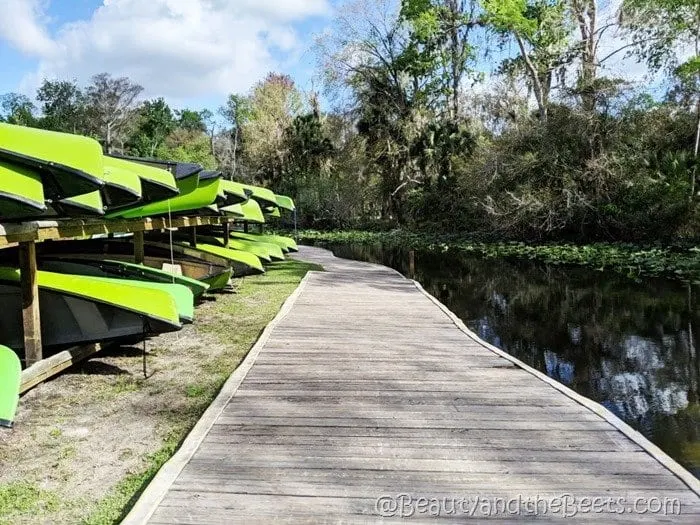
<point>156,490</point>
<point>659,455</point>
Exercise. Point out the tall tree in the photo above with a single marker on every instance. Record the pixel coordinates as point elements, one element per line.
<point>62,106</point>
<point>190,120</point>
<point>541,31</point>
<point>111,107</point>
<point>155,122</point>
<point>17,109</point>
<point>440,42</point>
<point>667,36</point>
<point>274,102</point>
<point>236,111</point>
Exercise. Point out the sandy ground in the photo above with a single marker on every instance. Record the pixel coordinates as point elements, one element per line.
<point>77,436</point>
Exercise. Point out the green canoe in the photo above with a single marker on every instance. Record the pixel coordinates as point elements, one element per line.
<point>205,194</point>
<point>78,309</point>
<point>156,184</point>
<point>245,261</point>
<point>21,192</point>
<point>285,202</point>
<point>183,296</point>
<point>69,165</point>
<point>10,379</point>
<point>252,212</point>
<point>286,243</point>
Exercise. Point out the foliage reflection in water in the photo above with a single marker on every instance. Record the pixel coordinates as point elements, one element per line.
<point>629,345</point>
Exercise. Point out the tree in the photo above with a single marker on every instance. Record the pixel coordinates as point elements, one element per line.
<point>190,120</point>
<point>187,146</point>
<point>17,109</point>
<point>236,112</point>
<point>62,106</point>
<point>111,108</point>
<point>155,123</point>
<point>541,31</point>
<point>274,102</point>
<point>662,29</point>
<point>440,43</point>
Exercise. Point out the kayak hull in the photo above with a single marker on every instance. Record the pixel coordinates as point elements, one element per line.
<point>68,320</point>
<point>10,380</point>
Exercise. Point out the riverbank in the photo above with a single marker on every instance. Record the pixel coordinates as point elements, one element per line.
<point>634,261</point>
<point>86,443</point>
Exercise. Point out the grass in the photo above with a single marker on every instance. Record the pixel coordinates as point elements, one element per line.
<point>25,499</point>
<point>236,321</point>
<point>232,323</point>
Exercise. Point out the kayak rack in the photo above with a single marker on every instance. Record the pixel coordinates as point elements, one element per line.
<point>25,235</point>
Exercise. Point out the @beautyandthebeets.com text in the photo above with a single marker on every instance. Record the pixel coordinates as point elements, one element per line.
<point>564,505</point>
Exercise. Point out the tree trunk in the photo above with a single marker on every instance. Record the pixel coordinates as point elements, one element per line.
<point>586,13</point>
<point>108,142</point>
<point>696,153</point>
<point>534,76</point>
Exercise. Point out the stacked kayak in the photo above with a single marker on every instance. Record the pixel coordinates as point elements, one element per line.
<point>81,309</point>
<point>10,378</point>
<point>286,243</point>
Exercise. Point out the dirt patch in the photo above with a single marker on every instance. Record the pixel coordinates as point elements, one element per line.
<point>86,443</point>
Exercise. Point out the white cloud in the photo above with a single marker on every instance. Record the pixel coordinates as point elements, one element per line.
<point>21,25</point>
<point>174,48</point>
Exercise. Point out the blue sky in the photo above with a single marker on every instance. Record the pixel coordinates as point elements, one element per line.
<point>192,52</point>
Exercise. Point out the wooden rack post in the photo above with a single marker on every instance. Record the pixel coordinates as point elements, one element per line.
<point>139,249</point>
<point>193,237</point>
<point>227,234</point>
<point>31,320</point>
<point>245,226</point>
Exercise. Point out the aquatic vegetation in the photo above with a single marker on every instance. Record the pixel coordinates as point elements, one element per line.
<point>635,261</point>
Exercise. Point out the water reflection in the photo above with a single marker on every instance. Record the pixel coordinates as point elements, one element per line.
<point>629,345</point>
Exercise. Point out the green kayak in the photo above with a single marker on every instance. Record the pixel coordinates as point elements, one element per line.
<point>264,196</point>
<point>205,194</point>
<point>286,243</point>
<point>122,187</point>
<point>234,210</point>
<point>252,212</point>
<point>182,295</point>
<point>10,380</point>
<point>88,204</point>
<point>264,250</point>
<point>235,192</point>
<point>245,261</point>
<point>285,202</point>
<point>156,184</point>
<point>69,165</point>
<point>260,251</point>
<point>21,192</point>
<point>180,170</point>
<point>77,309</point>
<point>272,212</point>
<point>192,263</point>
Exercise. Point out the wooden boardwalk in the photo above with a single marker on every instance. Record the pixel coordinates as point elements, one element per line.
<point>365,395</point>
